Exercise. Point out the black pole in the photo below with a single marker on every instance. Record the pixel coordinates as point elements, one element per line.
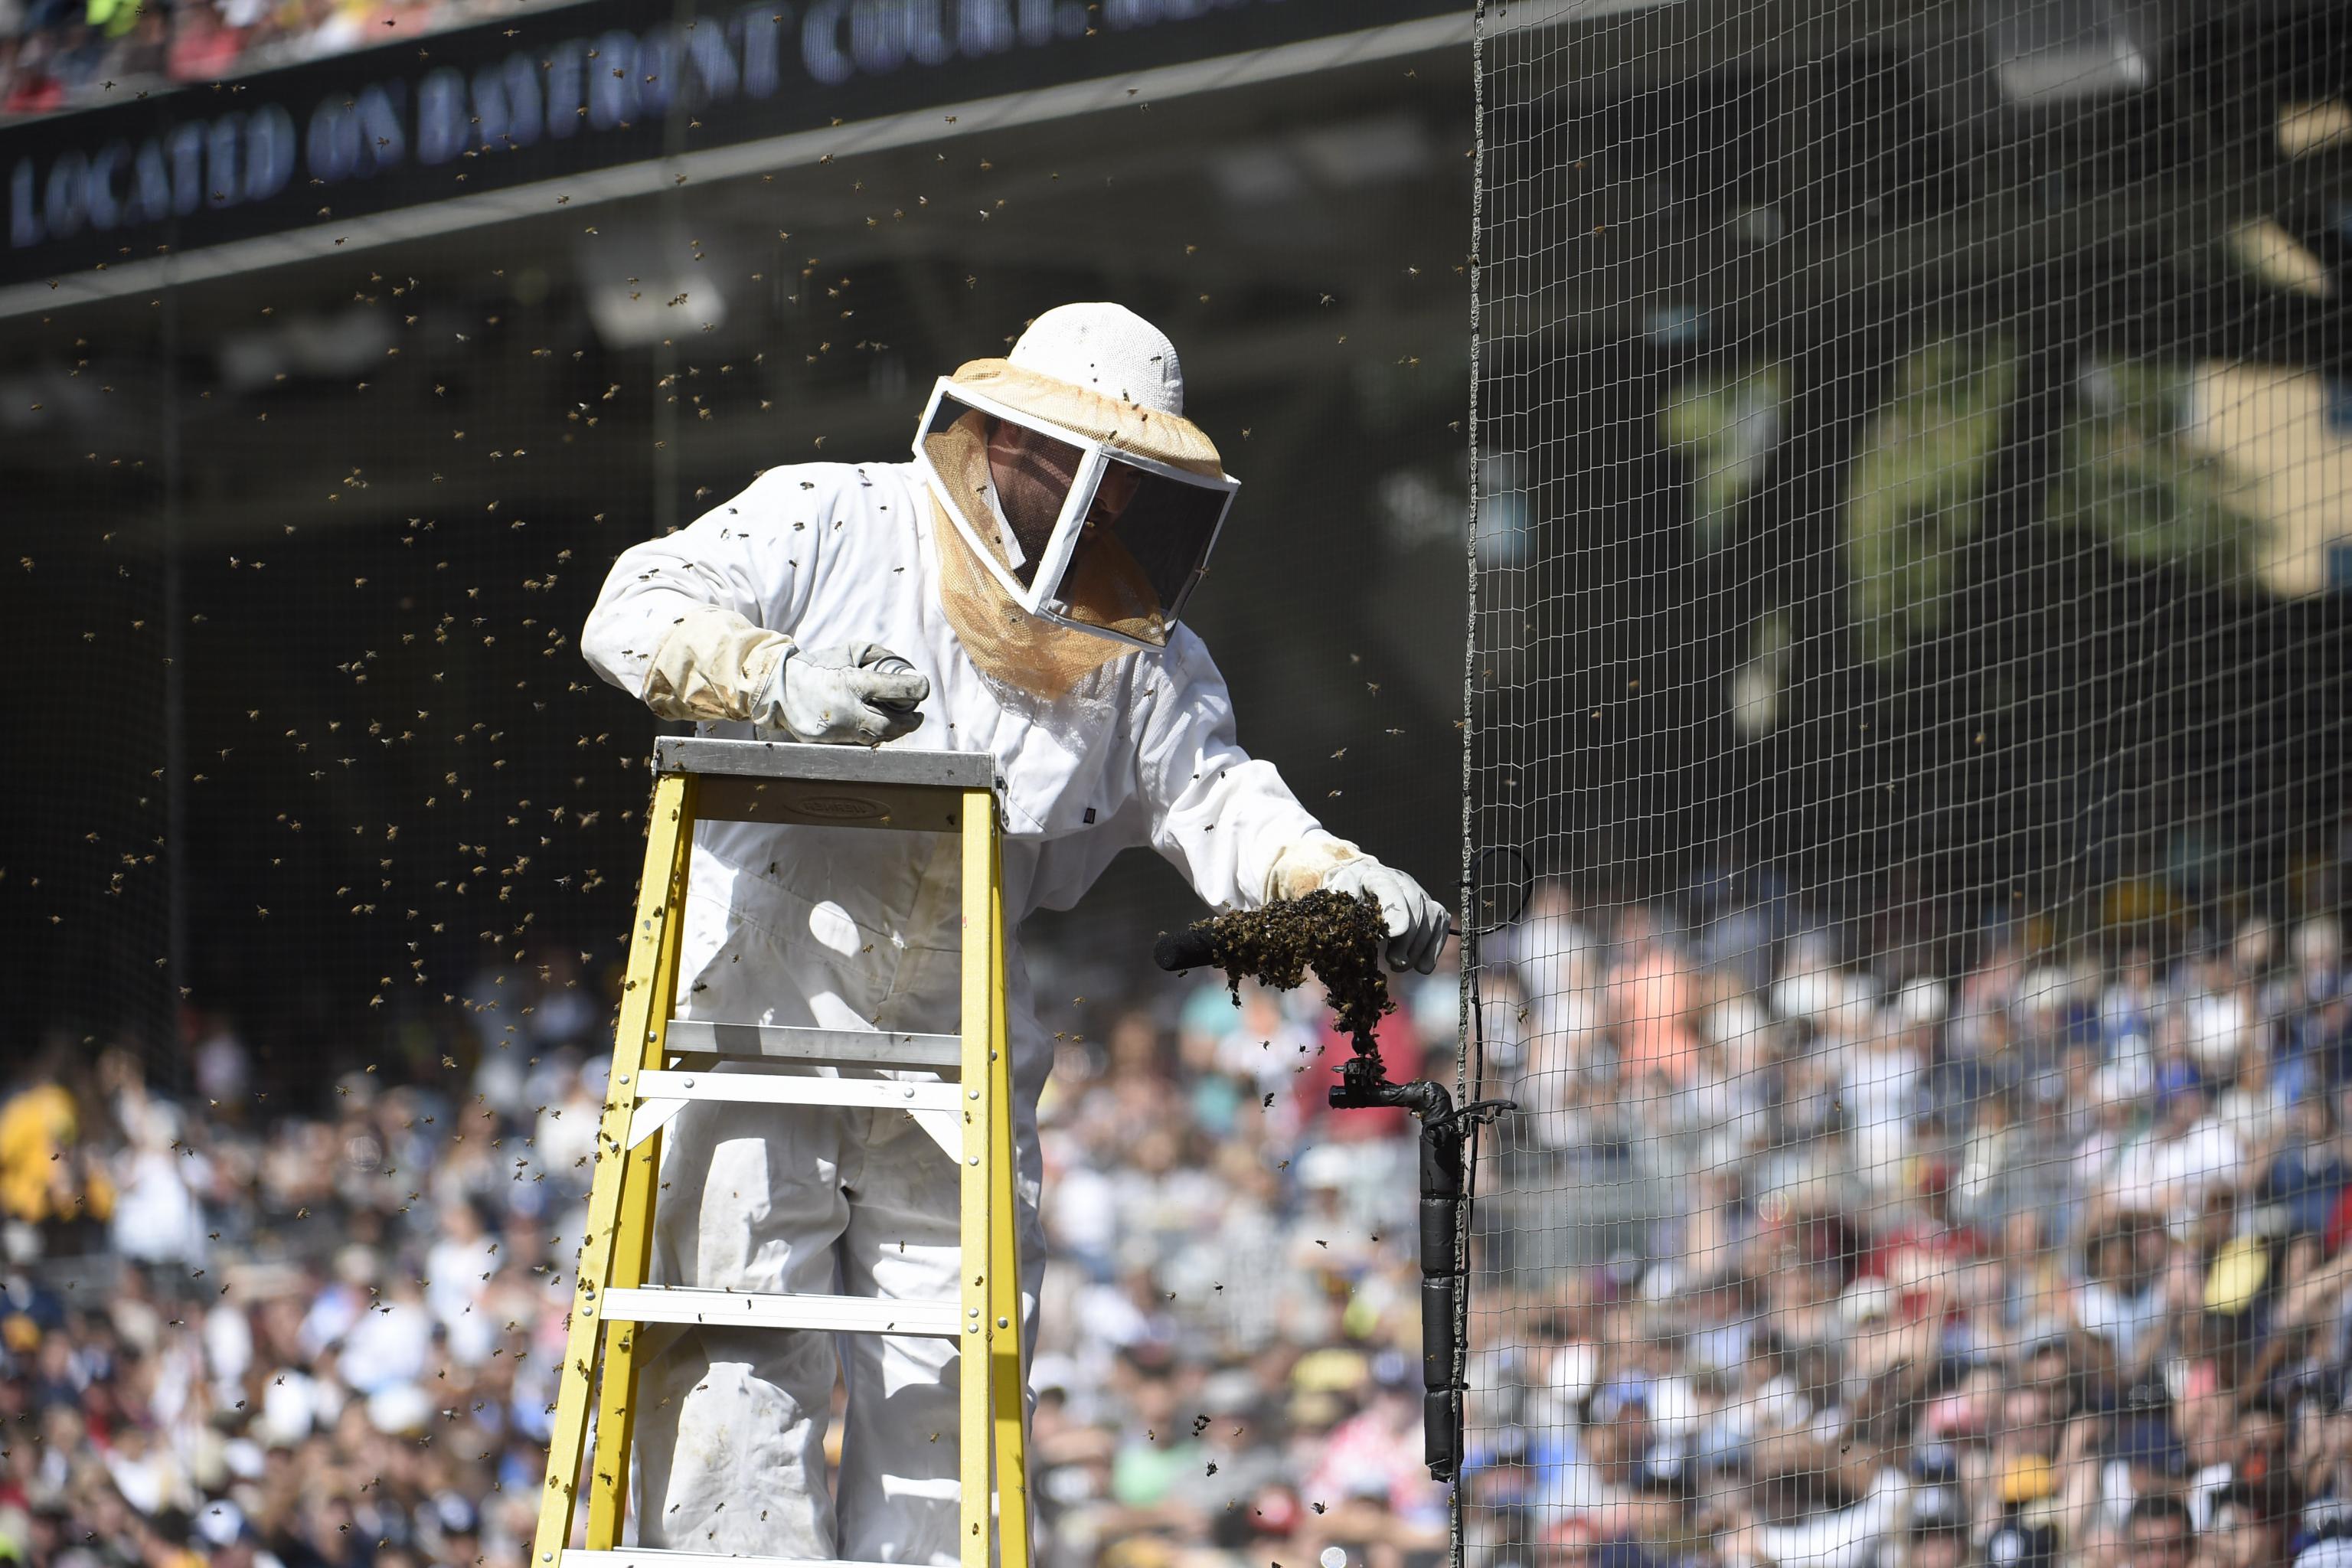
<point>1363,1085</point>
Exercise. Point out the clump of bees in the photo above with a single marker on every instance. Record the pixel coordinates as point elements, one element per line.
<point>1338,935</point>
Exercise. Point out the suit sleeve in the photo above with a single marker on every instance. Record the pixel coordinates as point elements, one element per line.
<point>695,622</point>
<point>1224,818</point>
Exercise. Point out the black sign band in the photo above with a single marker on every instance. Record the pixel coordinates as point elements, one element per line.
<point>563,91</point>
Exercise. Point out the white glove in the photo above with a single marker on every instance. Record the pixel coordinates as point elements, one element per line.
<point>1416,922</point>
<point>859,694</point>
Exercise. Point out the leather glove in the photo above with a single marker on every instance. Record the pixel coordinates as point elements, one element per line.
<point>1416,922</point>
<point>859,694</point>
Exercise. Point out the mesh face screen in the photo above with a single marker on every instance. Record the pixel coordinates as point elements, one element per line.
<point>1028,475</point>
<point>1166,525</point>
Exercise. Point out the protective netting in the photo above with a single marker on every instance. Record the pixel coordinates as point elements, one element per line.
<point>1910,648</point>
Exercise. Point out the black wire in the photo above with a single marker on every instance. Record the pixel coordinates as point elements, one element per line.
<point>1525,888</point>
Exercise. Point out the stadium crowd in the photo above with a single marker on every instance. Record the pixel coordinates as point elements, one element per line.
<point>1806,1256</point>
<point>71,54</point>
<point>1791,1255</point>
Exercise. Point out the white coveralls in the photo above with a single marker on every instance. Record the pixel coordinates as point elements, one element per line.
<point>850,928</point>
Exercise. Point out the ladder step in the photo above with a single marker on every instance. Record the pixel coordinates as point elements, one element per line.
<point>839,1314</point>
<point>664,1092</point>
<point>766,1088</point>
<point>645,1557</point>
<point>841,1048</point>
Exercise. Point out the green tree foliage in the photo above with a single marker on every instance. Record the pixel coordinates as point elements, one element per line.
<point>1725,427</point>
<point>1919,483</point>
<point>2135,479</point>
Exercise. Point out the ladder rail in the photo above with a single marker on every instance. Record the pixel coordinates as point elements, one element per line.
<point>645,1006</point>
<point>639,1170</point>
<point>981,940</point>
<point>1003,1330</point>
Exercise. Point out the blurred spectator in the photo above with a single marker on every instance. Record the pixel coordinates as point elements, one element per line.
<point>68,54</point>
<point>49,1176</point>
<point>2159,1534</point>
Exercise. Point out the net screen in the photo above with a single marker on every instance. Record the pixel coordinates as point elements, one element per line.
<point>1166,525</point>
<point>1910,653</point>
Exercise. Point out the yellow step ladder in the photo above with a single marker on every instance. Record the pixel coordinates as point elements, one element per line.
<point>660,1063</point>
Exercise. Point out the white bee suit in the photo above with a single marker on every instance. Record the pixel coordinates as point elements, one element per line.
<point>851,928</point>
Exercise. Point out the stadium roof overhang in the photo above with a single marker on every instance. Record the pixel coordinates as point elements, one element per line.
<point>579,107</point>
<point>1292,212</point>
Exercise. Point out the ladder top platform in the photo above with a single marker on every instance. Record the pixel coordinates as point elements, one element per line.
<point>826,787</point>
<point>828,765</point>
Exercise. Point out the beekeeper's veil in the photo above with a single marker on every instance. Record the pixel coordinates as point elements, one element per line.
<point>1114,500</point>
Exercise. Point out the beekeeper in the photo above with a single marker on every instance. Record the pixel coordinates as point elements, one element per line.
<point>1015,589</point>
